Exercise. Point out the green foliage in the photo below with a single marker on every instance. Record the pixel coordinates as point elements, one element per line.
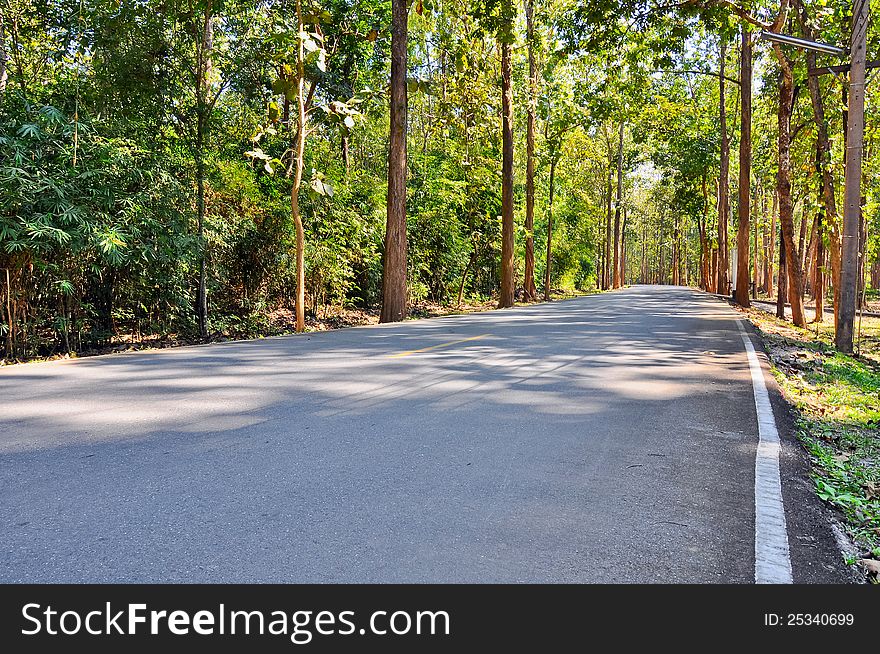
<point>108,248</point>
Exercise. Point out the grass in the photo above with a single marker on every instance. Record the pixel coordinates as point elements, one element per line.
<point>836,401</point>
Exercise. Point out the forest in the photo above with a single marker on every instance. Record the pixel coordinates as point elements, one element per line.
<point>194,169</point>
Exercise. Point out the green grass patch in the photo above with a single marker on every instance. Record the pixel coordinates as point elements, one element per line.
<point>836,400</point>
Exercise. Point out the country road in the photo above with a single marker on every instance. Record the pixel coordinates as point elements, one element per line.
<point>610,438</point>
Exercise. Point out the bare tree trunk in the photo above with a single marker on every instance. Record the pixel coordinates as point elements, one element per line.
<point>623,250</point>
<point>549,231</point>
<point>704,239</point>
<point>643,277</point>
<point>394,293</point>
<point>675,251</point>
<point>507,266</point>
<point>203,66</point>
<point>529,290</point>
<point>723,187</point>
<point>299,152</point>
<point>10,322</point>
<point>772,249</point>
<point>616,271</point>
<point>756,270</point>
<point>606,273</point>
<point>849,256</point>
<point>819,284</point>
<point>783,188</point>
<point>4,75</point>
<point>810,259</point>
<point>471,260</point>
<point>863,257</point>
<point>745,168</point>
<point>781,283</point>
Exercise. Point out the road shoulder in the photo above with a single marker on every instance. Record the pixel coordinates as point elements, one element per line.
<point>813,529</point>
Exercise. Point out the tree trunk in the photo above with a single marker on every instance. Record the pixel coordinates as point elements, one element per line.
<point>783,188</point>
<point>772,249</point>
<point>606,272</point>
<point>781,283</point>
<point>549,231</point>
<point>471,260</point>
<point>623,249</point>
<point>394,294</point>
<point>203,64</point>
<point>863,257</point>
<point>704,239</point>
<point>810,259</point>
<point>723,187</point>
<point>299,151</point>
<point>819,283</point>
<point>616,265</point>
<point>507,266</point>
<point>713,270</point>
<point>756,269</point>
<point>529,290</point>
<point>849,256</point>
<point>823,165</point>
<point>745,168</point>
<point>675,251</point>
<point>4,74</point>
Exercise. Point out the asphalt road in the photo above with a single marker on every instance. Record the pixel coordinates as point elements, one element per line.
<point>609,438</point>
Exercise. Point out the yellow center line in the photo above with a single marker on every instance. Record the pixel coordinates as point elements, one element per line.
<point>439,345</point>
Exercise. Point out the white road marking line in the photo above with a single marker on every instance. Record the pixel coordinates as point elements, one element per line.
<point>772,562</point>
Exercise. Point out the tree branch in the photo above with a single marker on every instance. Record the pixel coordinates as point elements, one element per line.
<point>711,73</point>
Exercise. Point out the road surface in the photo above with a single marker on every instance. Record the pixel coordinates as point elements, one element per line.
<point>609,438</point>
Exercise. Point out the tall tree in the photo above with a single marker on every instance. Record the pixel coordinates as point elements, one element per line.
<point>849,258</point>
<point>530,292</point>
<point>394,293</point>
<point>745,167</point>
<point>4,75</point>
<point>203,22</point>
<point>609,194</point>
<point>298,160</point>
<point>783,187</point>
<point>723,175</point>
<point>508,271</point>
<point>617,206</point>
<point>823,163</point>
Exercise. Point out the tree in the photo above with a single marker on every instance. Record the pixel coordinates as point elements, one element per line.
<point>292,48</point>
<point>723,175</point>
<point>823,167</point>
<point>508,271</point>
<point>394,292</point>
<point>617,207</point>
<point>745,166</point>
<point>849,257</point>
<point>783,187</point>
<point>530,292</point>
<point>201,23</point>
